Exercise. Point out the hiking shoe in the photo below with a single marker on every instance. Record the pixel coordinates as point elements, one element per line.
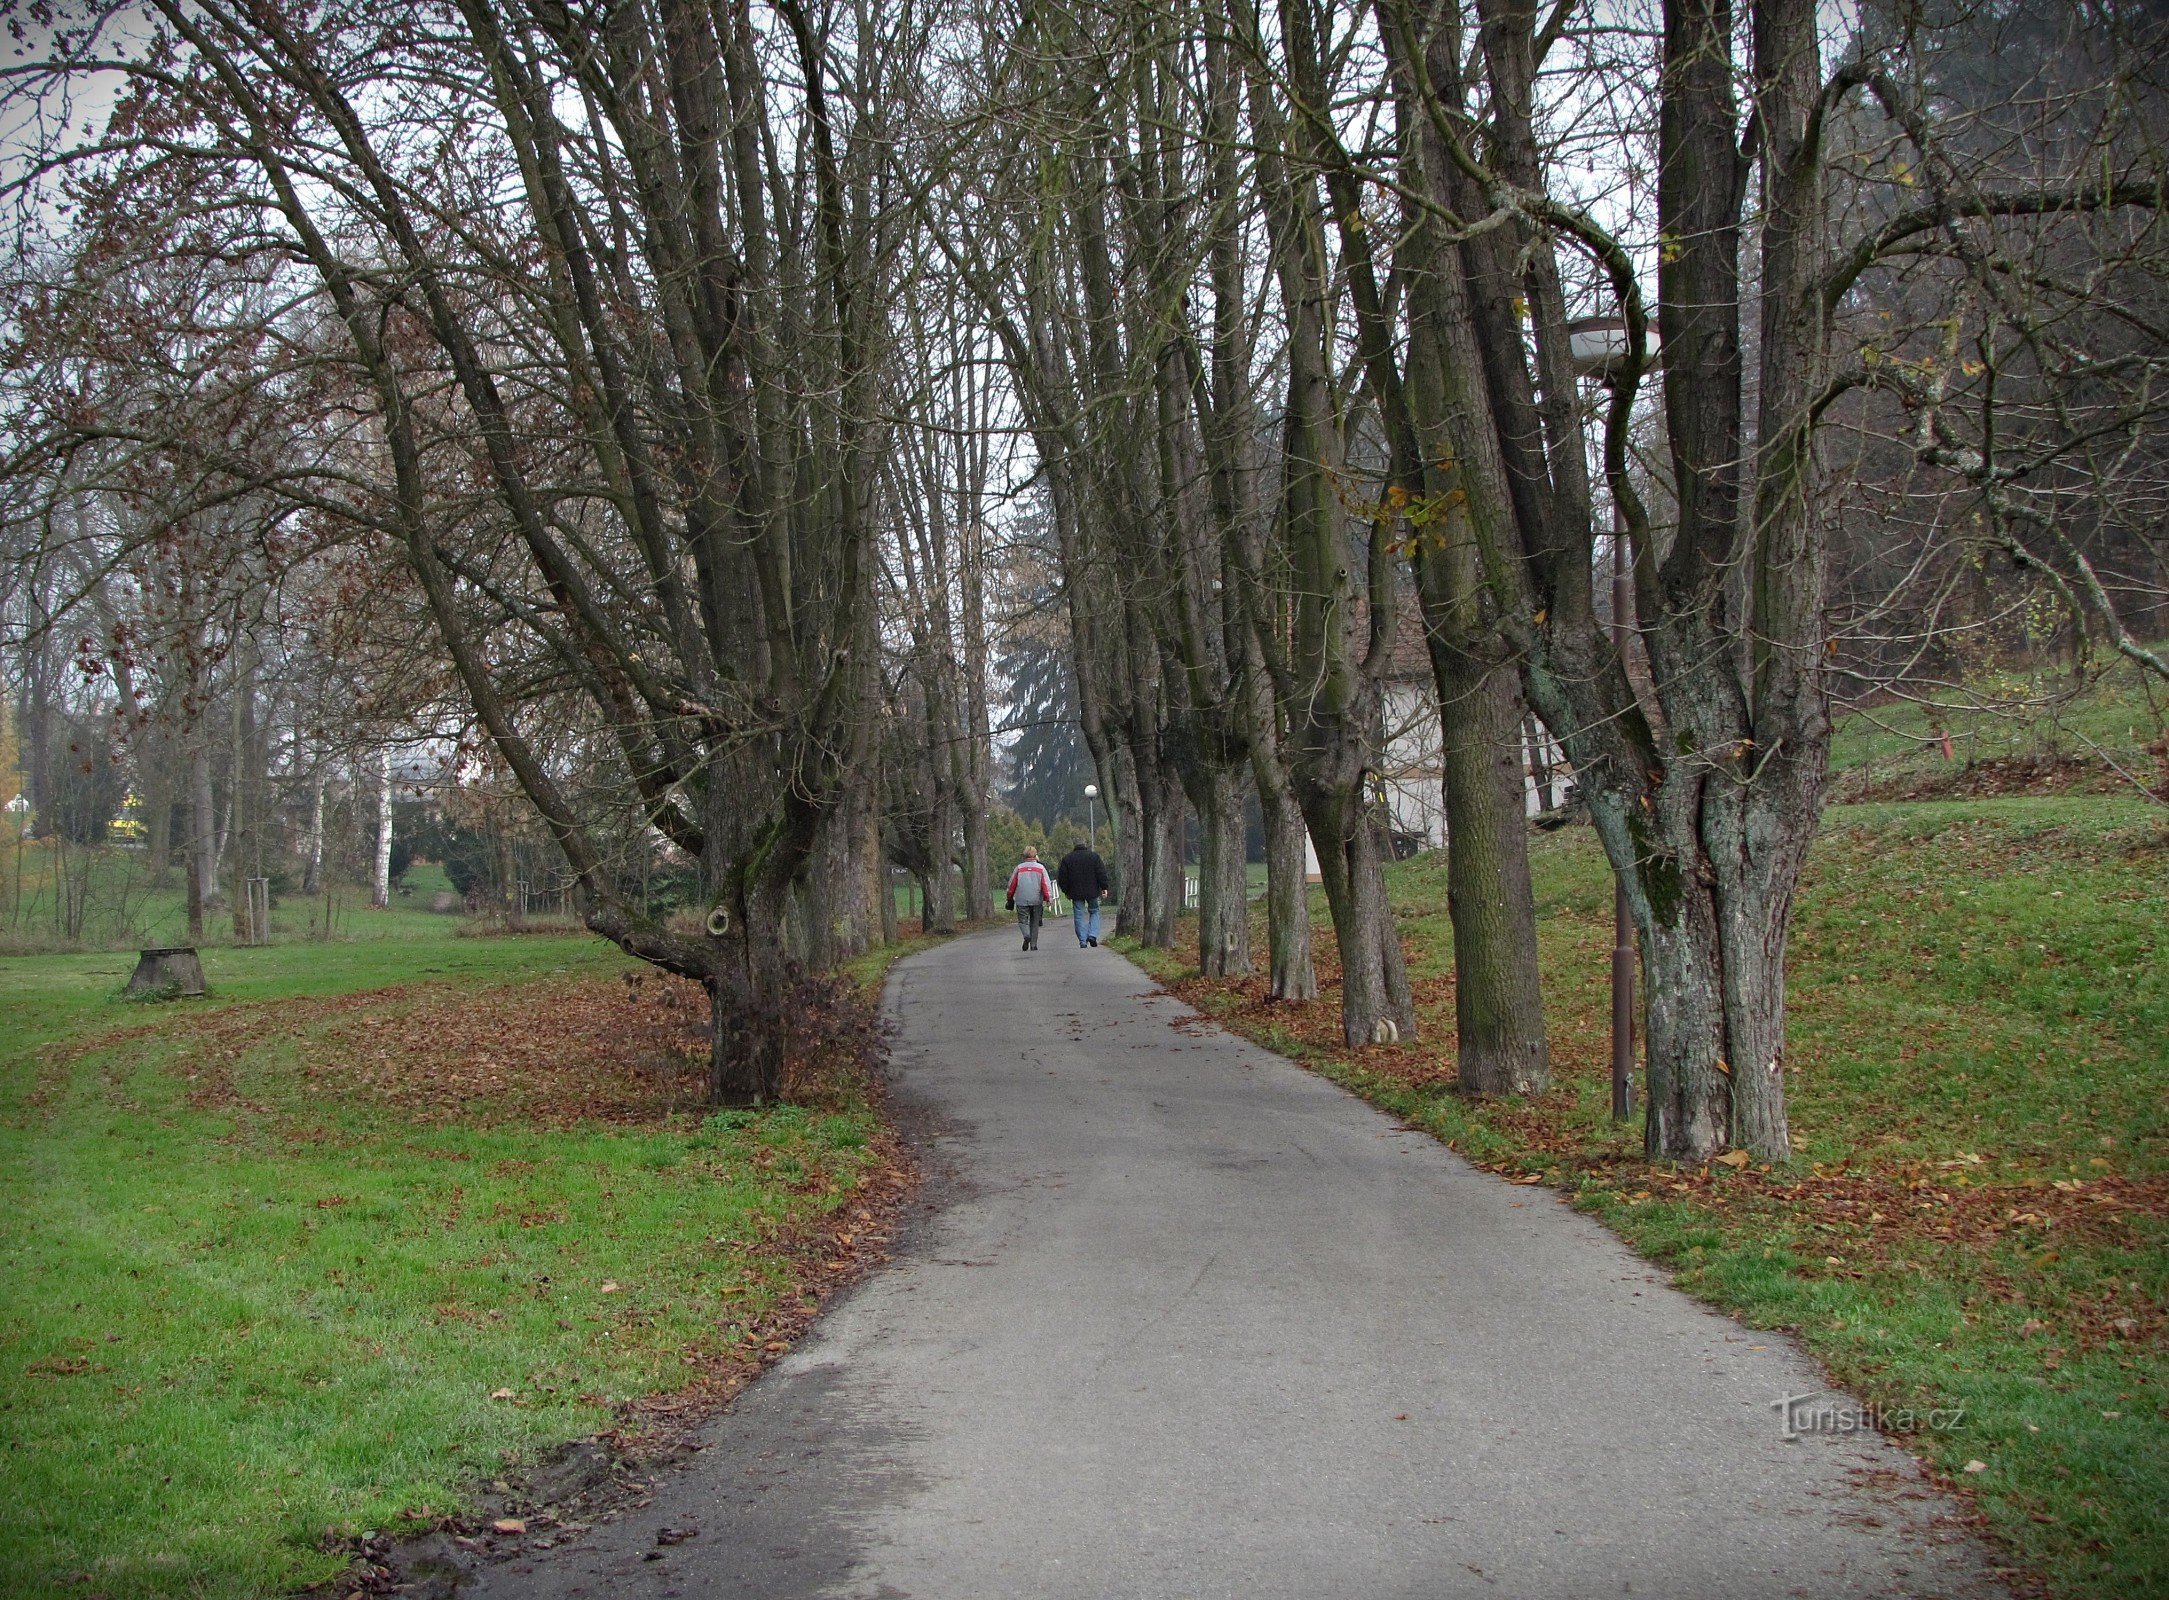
<point>1095,941</point>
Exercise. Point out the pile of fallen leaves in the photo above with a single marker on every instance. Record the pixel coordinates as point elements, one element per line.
<point>630,1048</point>
<point>1991,777</point>
<point>586,1049</point>
<point>633,1048</point>
<point>1875,1219</point>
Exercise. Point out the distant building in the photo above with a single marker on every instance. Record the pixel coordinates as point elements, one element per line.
<point>1411,768</point>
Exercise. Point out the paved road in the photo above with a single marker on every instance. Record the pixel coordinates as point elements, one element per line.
<point>1192,1322</point>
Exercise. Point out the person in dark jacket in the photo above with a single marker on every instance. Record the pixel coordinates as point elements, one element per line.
<point>1082,876</point>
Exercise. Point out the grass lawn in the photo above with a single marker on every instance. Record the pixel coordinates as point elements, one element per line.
<point>1978,1216</point>
<point>2010,731</point>
<point>116,903</point>
<point>379,1218</point>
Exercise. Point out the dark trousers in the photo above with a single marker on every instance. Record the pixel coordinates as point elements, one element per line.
<point>1028,920</point>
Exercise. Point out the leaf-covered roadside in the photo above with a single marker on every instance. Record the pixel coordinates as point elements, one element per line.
<point>1979,1214</point>
<point>280,1275</point>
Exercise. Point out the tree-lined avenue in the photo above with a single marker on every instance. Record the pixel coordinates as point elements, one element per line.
<point>1185,1320</point>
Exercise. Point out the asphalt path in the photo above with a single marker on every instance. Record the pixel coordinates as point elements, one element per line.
<point>1185,1320</point>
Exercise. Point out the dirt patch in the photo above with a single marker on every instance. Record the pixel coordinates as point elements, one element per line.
<point>1983,780</point>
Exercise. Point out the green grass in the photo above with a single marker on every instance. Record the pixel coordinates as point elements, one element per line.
<point>123,906</point>
<point>2117,715</point>
<point>1979,1010</point>
<point>871,970</point>
<point>231,1321</point>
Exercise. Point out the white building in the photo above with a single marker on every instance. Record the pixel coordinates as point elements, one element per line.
<point>1411,769</point>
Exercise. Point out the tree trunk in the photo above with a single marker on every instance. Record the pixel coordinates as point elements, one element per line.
<point>745,994</point>
<point>1223,882</point>
<point>155,761</point>
<point>244,804</point>
<point>1328,679</point>
<point>202,855</point>
<point>1683,1018</point>
<point>978,885</point>
<point>1166,882</point>
<point>1292,975</point>
<point>941,882</point>
<point>380,878</point>
<point>1498,1000</point>
<point>1376,1006</point>
<point>845,880</point>
<point>36,702</point>
<point>193,847</point>
<point>312,878</point>
<point>1126,819</point>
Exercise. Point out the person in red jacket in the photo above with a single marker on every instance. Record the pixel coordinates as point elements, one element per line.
<point>1031,891</point>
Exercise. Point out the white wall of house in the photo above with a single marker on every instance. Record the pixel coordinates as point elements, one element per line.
<point>1413,775</point>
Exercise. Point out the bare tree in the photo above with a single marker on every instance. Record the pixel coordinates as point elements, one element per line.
<point>620,383</point>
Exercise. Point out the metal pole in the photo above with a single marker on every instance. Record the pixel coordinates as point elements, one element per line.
<point>1622,918</point>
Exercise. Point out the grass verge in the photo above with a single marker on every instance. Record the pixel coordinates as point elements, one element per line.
<point>1979,1079</point>
<point>2011,732</point>
<point>378,1221</point>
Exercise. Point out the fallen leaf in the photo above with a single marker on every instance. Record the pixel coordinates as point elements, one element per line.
<point>501,1394</point>
<point>1976,1466</point>
<point>509,1525</point>
<point>1735,1159</point>
<point>610,1288</point>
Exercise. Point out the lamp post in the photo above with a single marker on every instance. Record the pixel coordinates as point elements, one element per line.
<point>1092,813</point>
<point>1597,345</point>
<point>1622,917</point>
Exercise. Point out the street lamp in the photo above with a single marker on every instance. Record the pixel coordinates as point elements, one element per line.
<point>1598,347</point>
<point>1092,812</point>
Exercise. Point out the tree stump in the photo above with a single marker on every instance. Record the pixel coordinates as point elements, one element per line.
<point>175,970</point>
